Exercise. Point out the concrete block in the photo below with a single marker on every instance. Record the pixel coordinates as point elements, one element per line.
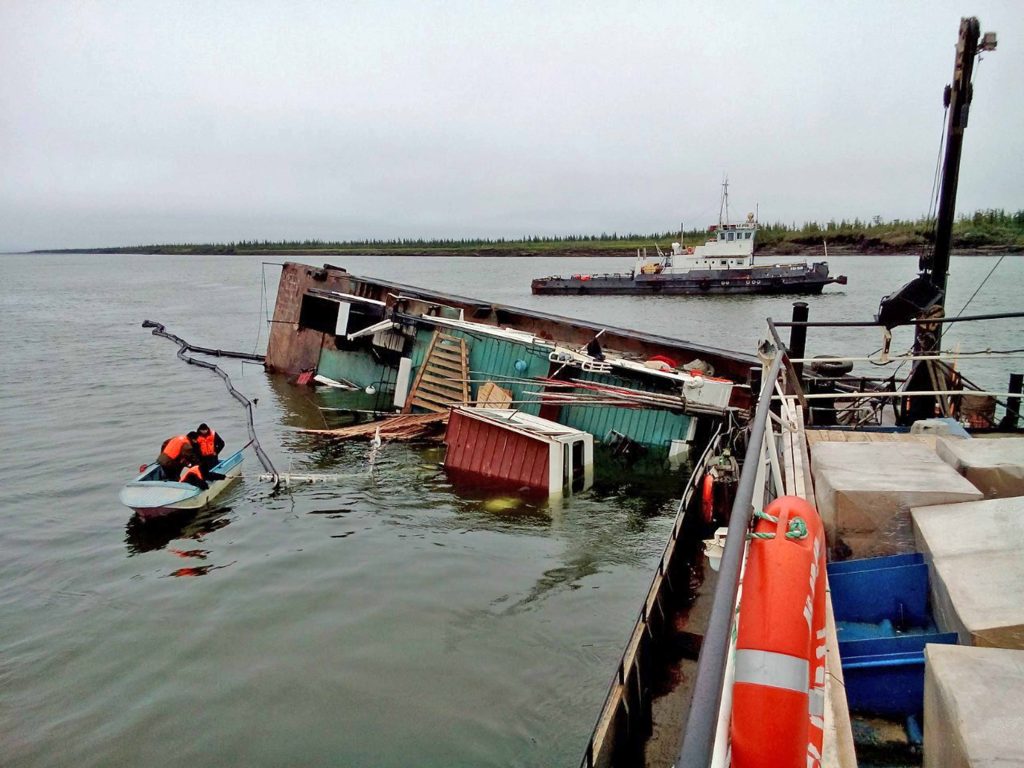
<point>973,707</point>
<point>864,492</point>
<point>995,466</point>
<point>976,570</point>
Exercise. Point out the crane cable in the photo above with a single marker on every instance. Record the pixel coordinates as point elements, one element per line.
<point>183,347</point>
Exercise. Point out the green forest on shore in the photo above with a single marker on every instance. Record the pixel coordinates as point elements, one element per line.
<point>989,231</point>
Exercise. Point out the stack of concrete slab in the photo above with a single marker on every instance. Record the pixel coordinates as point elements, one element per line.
<point>995,466</point>
<point>864,493</point>
<point>973,714</point>
<point>976,568</point>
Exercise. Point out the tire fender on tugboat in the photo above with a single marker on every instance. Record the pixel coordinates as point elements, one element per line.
<point>778,692</point>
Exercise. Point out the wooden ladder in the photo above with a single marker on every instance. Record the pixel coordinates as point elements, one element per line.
<point>443,378</point>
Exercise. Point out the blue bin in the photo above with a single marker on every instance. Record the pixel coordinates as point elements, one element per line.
<point>883,624</point>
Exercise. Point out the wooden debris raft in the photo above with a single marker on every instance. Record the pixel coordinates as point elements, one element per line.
<point>405,426</point>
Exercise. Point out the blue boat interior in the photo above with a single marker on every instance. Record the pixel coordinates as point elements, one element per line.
<point>883,623</point>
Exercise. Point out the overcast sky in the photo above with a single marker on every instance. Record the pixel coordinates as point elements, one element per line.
<point>144,122</point>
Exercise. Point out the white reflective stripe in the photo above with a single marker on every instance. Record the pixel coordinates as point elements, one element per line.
<point>816,702</point>
<point>773,669</point>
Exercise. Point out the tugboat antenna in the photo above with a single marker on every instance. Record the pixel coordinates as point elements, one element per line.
<point>725,202</point>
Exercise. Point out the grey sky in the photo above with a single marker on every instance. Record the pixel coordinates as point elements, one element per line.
<point>129,123</point>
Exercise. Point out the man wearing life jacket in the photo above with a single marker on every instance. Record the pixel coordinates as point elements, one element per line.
<point>175,454</point>
<point>210,445</point>
<point>193,475</point>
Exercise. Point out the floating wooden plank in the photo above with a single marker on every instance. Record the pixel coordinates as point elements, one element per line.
<point>406,426</point>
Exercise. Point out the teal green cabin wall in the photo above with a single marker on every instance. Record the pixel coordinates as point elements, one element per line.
<point>653,428</point>
<point>358,367</point>
<point>493,359</point>
<point>648,426</point>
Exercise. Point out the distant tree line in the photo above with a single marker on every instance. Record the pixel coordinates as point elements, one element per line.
<point>993,228</point>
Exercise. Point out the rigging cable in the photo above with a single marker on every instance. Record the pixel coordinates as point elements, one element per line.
<point>933,202</point>
<point>996,266</point>
<point>183,347</point>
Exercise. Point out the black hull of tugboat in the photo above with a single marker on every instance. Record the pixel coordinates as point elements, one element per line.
<point>764,281</point>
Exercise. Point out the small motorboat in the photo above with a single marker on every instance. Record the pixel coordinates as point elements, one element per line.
<point>151,496</point>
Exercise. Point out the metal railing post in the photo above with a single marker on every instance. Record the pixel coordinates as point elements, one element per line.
<point>798,337</point>
<point>1009,421</point>
<point>701,723</point>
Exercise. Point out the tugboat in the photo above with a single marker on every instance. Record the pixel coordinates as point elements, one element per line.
<point>723,265</point>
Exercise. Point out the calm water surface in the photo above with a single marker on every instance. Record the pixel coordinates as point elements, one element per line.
<point>380,620</point>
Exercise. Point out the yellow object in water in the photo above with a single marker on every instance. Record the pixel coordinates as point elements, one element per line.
<point>501,504</point>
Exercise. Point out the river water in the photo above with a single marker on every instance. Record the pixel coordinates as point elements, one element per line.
<point>381,619</point>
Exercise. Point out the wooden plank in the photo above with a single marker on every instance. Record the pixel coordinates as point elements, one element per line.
<point>802,457</point>
<point>490,395</point>
<point>786,454</point>
<point>419,374</point>
<point>434,386</point>
<point>431,378</point>
<point>440,400</point>
<point>442,350</point>
<point>440,396</point>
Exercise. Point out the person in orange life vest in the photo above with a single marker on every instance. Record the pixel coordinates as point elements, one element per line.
<point>193,475</point>
<point>210,445</point>
<point>175,454</point>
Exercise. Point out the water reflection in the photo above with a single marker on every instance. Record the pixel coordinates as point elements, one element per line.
<point>569,576</point>
<point>199,570</point>
<point>147,536</point>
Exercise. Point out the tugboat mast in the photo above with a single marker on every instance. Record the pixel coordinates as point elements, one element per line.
<point>724,205</point>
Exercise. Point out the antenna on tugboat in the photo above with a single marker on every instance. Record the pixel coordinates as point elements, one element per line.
<point>724,206</point>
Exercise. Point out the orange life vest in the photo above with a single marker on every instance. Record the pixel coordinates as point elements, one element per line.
<point>175,445</point>
<point>192,471</point>
<point>206,444</point>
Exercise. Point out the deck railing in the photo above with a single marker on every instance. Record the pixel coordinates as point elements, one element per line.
<point>702,723</point>
<point>781,407</point>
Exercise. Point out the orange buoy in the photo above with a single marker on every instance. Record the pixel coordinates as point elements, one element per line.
<point>708,498</point>
<point>777,660</point>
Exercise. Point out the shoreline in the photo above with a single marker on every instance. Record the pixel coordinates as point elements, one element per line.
<point>808,252</point>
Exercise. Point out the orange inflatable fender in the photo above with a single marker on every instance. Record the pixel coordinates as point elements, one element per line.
<point>708,498</point>
<point>778,701</point>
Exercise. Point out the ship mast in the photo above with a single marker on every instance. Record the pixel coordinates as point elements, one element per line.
<point>957,98</point>
<point>929,374</point>
<point>724,205</point>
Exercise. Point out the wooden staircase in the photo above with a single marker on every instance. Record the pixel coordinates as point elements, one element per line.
<point>443,378</point>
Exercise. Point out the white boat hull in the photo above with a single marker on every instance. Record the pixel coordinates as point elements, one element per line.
<point>150,497</point>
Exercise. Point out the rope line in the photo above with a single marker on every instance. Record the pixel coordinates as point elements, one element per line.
<point>795,529</point>
<point>183,347</point>
<point>996,266</point>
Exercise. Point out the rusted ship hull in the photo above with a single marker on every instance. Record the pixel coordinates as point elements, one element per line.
<point>762,280</point>
<point>295,345</point>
